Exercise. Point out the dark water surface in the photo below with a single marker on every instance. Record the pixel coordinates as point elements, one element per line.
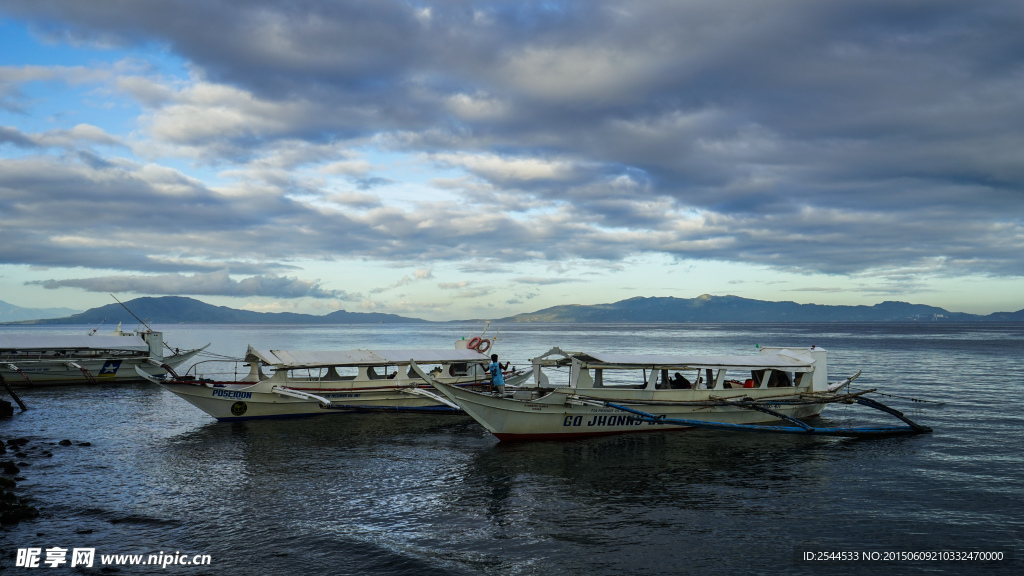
<point>391,494</point>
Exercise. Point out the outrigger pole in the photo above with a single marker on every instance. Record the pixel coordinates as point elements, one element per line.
<point>800,428</point>
<point>11,391</point>
<point>148,327</point>
<point>132,313</point>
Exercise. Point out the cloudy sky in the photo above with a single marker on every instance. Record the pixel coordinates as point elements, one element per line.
<point>477,159</point>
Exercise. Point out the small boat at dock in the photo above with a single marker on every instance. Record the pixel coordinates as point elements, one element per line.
<point>43,359</point>
<point>614,393</point>
<point>307,383</point>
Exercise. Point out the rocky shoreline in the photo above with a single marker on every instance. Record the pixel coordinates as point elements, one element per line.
<point>14,508</point>
<point>15,455</point>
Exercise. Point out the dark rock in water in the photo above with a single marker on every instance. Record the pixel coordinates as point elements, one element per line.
<point>144,520</point>
<point>65,442</point>
<point>14,509</point>
<point>84,531</point>
<point>6,409</point>
<point>85,443</point>
<point>3,449</point>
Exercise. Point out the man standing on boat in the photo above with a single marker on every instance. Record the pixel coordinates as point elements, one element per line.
<point>497,379</point>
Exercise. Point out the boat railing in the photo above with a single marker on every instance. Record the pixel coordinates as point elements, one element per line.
<point>220,369</point>
<point>64,354</point>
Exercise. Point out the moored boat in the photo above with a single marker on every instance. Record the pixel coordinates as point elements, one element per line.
<point>613,393</point>
<point>40,359</point>
<point>307,383</point>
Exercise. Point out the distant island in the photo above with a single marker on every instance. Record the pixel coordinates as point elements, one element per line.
<point>705,308</point>
<point>12,313</point>
<point>181,310</point>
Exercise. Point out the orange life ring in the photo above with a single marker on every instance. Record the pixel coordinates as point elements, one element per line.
<point>474,342</point>
<point>483,346</point>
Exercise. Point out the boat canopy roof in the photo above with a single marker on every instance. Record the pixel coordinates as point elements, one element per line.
<point>290,359</point>
<point>781,360</point>
<point>34,342</point>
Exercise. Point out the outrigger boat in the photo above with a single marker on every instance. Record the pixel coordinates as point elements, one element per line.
<point>609,393</point>
<point>33,359</point>
<point>307,383</point>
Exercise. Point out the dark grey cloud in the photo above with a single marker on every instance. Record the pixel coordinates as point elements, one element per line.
<point>217,283</point>
<point>840,137</point>
<point>14,136</point>
<point>74,211</point>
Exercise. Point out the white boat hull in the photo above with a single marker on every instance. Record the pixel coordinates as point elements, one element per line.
<point>246,403</point>
<point>557,416</point>
<point>101,369</point>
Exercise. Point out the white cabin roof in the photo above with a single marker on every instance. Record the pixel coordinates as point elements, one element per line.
<point>782,360</point>
<point>289,359</point>
<point>35,342</point>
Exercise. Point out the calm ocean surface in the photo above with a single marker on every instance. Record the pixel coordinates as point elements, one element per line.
<point>404,494</point>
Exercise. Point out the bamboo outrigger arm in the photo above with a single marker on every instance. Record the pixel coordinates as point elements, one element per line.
<point>432,396</point>
<point>800,428</point>
<point>85,372</point>
<point>14,368</point>
<point>284,391</point>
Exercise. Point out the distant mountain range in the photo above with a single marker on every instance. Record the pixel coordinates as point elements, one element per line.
<point>12,313</point>
<point>709,308</point>
<point>180,310</point>
<point>706,308</point>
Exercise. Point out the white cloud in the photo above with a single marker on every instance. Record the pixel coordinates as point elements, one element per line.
<point>478,106</point>
<point>418,274</point>
<point>355,200</point>
<point>147,91</point>
<point>76,136</point>
<point>544,281</point>
<point>207,111</point>
<point>347,167</point>
<point>494,167</point>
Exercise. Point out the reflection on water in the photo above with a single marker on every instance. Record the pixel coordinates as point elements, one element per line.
<point>432,494</point>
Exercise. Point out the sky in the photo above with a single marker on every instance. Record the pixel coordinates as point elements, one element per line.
<point>455,160</point>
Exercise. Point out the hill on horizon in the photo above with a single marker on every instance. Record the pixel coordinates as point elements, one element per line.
<point>705,308</point>
<point>183,310</point>
<point>11,313</point>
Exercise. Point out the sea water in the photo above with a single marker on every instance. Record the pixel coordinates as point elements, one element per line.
<point>407,494</point>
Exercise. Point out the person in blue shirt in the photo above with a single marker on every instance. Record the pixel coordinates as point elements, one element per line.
<point>497,380</point>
